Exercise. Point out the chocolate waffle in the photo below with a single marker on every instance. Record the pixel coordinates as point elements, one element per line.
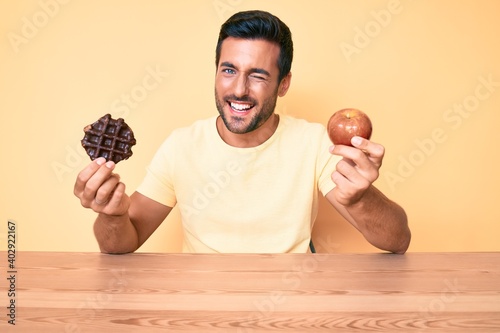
<point>109,138</point>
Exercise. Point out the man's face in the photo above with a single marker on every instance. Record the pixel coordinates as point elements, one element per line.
<point>246,83</point>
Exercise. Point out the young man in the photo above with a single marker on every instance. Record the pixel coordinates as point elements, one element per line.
<point>246,180</point>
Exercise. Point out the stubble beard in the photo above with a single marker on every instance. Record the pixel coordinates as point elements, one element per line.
<point>236,124</point>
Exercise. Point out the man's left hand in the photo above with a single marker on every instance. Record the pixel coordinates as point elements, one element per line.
<point>357,170</point>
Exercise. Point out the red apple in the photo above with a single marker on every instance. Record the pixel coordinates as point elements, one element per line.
<point>347,123</point>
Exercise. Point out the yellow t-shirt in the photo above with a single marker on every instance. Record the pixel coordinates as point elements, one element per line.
<point>243,200</point>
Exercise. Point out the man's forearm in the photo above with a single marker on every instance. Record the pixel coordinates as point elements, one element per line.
<point>381,221</point>
<point>115,234</point>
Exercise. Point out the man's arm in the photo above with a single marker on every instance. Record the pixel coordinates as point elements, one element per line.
<point>126,233</point>
<point>124,223</point>
<point>381,221</point>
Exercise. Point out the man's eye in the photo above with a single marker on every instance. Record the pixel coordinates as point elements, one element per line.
<point>257,77</point>
<point>228,71</point>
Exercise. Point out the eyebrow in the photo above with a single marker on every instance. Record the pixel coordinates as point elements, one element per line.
<point>252,70</point>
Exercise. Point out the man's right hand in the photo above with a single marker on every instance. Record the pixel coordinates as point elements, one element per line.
<point>100,189</point>
<point>124,223</point>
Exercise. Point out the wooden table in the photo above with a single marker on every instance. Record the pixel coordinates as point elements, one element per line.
<point>92,292</point>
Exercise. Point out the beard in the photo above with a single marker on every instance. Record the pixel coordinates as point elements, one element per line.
<point>237,124</point>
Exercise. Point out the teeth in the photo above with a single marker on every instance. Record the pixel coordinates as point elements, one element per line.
<point>240,107</point>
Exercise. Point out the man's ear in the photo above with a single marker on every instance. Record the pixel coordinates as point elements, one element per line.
<point>284,85</point>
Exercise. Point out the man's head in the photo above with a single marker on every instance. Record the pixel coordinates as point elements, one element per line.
<point>253,61</point>
<point>257,24</point>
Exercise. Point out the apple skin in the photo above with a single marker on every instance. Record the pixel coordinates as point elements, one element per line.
<point>347,123</point>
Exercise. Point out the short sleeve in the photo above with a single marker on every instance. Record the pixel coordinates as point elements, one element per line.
<point>158,184</point>
<point>326,164</point>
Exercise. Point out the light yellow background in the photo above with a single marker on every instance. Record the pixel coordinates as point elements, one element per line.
<point>409,64</point>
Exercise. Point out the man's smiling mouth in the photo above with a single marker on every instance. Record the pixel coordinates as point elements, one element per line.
<point>240,107</point>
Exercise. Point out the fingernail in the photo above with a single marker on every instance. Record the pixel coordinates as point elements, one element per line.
<point>331,148</point>
<point>356,141</point>
<point>110,164</point>
<point>100,160</point>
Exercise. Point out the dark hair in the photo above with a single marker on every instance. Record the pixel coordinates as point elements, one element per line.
<point>257,24</point>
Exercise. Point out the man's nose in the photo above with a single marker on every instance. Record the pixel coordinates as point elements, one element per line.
<point>241,86</point>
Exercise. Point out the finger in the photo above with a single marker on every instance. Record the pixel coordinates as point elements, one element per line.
<point>348,191</point>
<point>360,170</point>
<point>118,202</point>
<point>106,189</point>
<point>86,174</point>
<point>118,198</point>
<point>358,179</point>
<point>373,150</point>
<point>95,182</point>
<point>357,156</point>
<point>345,192</point>
<point>366,155</point>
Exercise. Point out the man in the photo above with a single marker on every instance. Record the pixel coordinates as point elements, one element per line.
<point>248,179</point>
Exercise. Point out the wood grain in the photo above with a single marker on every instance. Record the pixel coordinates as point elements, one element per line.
<point>415,292</point>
